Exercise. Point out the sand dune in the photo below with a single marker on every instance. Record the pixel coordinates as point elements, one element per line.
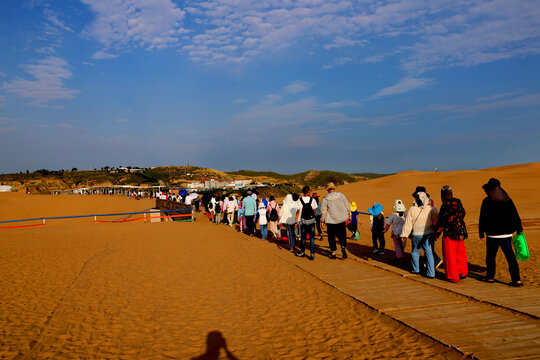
<point>520,181</point>
<point>75,290</point>
<point>78,290</point>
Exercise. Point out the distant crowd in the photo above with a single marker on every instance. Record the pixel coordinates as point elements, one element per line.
<point>304,217</point>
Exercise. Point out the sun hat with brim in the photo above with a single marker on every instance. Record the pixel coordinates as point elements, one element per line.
<point>491,184</point>
<point>353,206</point>
<point>330,185</point>
<point>419,189</point>
<point>398,206</point>
<point>375,209</point>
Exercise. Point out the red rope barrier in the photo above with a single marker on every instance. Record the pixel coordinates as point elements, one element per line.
<point>20,226</point>
<point>141,218</point>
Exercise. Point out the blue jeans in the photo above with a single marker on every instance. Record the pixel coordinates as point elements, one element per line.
<point>305,230</point>
<point>422,242</point>
<point>264,231</point>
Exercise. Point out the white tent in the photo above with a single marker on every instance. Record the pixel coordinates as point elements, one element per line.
<point>5,188</point>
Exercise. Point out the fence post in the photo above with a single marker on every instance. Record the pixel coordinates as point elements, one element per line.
<point>145,218</point>
<point>43,221</point>
<point>95,219</point>
<point>192,217</point>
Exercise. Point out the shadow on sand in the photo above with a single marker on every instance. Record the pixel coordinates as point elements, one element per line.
<point>215,342</point>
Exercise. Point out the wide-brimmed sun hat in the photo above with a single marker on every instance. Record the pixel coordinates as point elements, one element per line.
<point>419,189</point>
<point>398,206</point>
<point>353,206</point>
<point>491,184</point>
<point>375,209</point>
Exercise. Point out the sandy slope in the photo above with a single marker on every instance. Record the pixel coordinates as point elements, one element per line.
<point>77,290</point>
<point>520,181</point>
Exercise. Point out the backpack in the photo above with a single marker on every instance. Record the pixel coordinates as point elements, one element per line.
<point>308,214</point>
<point>273,214</point>
<point>217,207</point>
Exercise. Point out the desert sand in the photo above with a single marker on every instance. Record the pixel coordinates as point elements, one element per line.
<point>520,181</point>
<point>77,290</point>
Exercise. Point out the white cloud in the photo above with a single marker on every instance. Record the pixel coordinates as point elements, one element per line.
<point>101,54</point>
<point>271,98</point>
<point>52,17</point>
<point>122,120</point>
<point>495,97</point>
<point>154,24</point>
<point>298,86</point>
<point>2,74</point>
<point>405,85</point>
<point>341,41</point>
<point>71,127</point>
<point>240,101</point>
<point>432,34</point>
<point>48,85</point>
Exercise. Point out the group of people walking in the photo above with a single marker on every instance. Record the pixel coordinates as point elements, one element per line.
<point>424,224</point>
<point>304,216</point>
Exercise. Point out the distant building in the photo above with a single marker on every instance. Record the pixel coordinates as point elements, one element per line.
<point>5,188</point>
<point>195,185</point>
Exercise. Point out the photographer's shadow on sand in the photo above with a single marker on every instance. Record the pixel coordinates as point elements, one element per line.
<point>214,343</point>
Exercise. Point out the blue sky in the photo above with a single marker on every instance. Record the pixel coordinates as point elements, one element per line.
<point>283,85</point>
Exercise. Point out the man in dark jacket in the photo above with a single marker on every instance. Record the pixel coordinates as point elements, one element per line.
<point>499,220</point>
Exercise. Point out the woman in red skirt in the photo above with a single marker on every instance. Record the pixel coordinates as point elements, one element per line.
<point>452,225</point>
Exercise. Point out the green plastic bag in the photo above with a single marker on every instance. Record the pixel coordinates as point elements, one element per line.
<point>520,247</point>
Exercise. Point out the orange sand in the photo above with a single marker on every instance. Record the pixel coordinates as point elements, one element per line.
<point>520,181</point>
<point>77,290</point>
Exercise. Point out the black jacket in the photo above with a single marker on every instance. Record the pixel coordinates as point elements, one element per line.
<point>498,218</point>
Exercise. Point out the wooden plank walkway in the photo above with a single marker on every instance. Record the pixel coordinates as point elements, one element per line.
<point>483,321</point>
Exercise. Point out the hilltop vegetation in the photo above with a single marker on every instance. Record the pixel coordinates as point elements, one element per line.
<point>44,181</point>
<point>311,177</point>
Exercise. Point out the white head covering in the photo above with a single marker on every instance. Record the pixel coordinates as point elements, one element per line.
<point>286,208</point>
<point>424,199</point>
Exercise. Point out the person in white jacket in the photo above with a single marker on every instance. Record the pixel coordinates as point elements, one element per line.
<point>420,222</point>
<point>288,218</point>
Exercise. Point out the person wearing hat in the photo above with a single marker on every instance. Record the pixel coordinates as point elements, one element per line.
<point>396,221</point>
<point>335,211</point>
<point>436,258</point>
<point>420,222</point>
<point>353,225</point>
<point>499,220</point>
<point>263,220</point>
<point>377,228</point>
<point>452,225</point>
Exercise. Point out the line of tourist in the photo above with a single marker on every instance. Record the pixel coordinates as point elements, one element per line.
<point>304,216</point>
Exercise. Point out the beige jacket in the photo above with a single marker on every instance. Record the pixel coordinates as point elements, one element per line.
<point>420,220</point>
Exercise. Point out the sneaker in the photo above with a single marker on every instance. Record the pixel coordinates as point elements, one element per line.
<point>344,252</point>
<point>375,251</point>
<point>333,256</point>
<point>381,252</point>
<point>439,263</point>
<point>311,257</point>
<point>300,254</point>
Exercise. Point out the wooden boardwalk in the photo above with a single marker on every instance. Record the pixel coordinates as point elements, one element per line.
<point>482,321</point>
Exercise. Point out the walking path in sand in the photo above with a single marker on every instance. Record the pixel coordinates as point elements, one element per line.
<point>449,315</point>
